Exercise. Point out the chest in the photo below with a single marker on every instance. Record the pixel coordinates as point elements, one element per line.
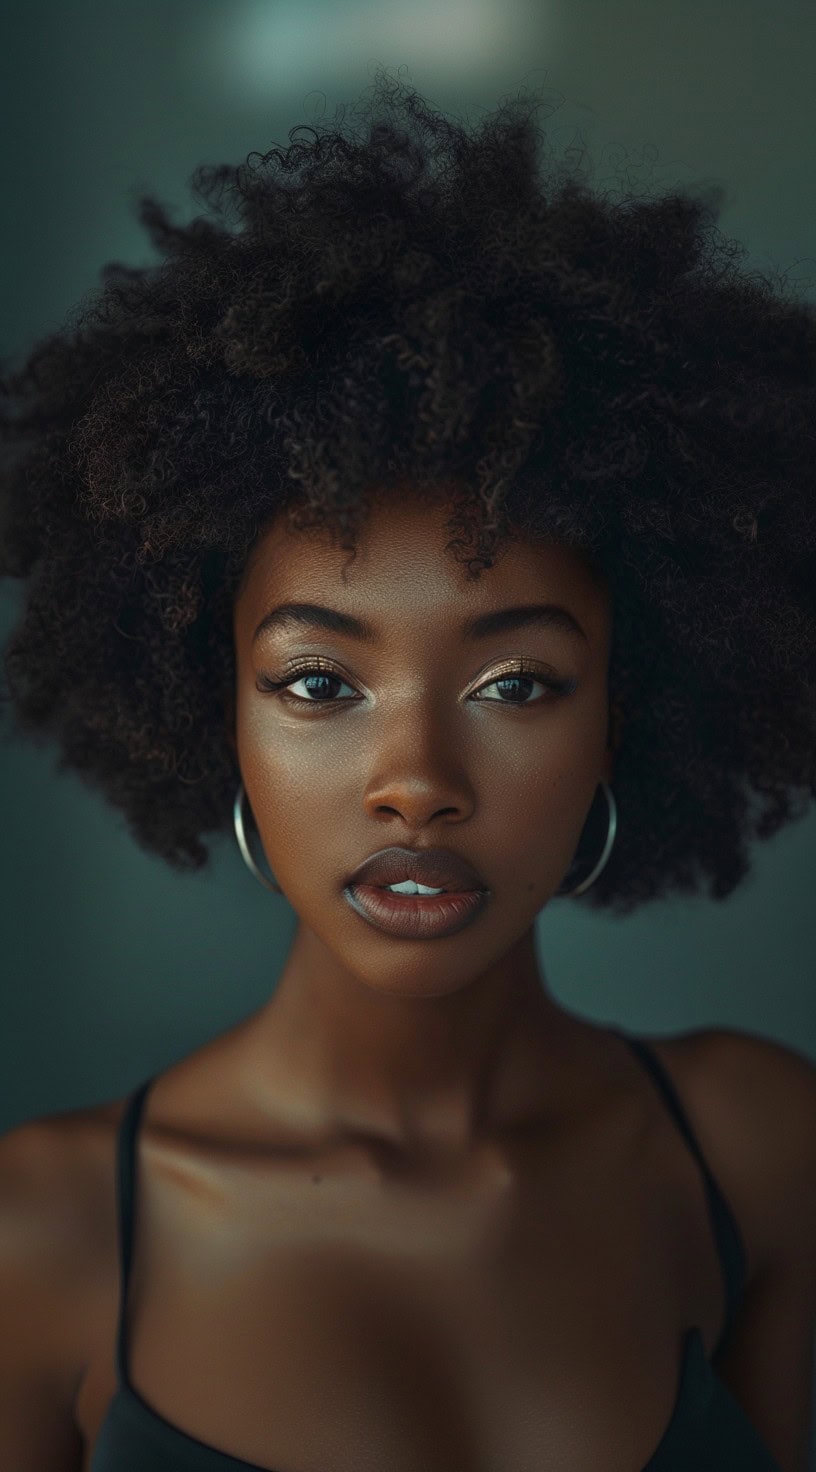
<point>525,1313</point>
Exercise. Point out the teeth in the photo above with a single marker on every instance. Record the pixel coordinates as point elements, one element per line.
<point>407,886</point>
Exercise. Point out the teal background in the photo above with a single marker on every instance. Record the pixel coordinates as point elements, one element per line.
<point>114,965</point>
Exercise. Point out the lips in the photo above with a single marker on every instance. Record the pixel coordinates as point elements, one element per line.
<point>438,868</point>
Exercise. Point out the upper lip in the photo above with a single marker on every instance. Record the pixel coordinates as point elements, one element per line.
<point>438,868</point>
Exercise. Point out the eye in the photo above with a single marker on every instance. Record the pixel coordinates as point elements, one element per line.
<point>520,676</point>
<point>523,678</point>
<point>311,673</point>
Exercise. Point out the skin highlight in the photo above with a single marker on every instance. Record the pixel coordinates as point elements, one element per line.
<point>424,1045</point>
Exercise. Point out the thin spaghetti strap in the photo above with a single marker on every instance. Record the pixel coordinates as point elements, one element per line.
<point>727,1234</point>
<point>126,1198</point>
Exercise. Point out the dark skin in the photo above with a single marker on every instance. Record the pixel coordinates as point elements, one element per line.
<point>412,1213</point>
<point>426,1045</point>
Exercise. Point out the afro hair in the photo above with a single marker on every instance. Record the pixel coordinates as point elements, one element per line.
<point>413,300</point>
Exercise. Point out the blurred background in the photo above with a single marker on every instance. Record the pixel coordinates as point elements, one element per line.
<point>114,966</point>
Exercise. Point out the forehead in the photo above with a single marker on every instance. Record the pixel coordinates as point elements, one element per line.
<point>403,568</point>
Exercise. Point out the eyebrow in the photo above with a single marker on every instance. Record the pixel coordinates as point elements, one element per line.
<point>498,621</point>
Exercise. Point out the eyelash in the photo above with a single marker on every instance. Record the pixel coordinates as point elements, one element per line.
<point>521,668</point>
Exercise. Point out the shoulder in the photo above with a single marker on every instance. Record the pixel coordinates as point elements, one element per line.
<point>755,1101</point>
<point>57,1232</point>
<point>751,1102</point>
<point>60,1161</point>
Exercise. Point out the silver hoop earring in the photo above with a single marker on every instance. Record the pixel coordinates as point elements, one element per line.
<point>238,821</point>
<point>605,852</point>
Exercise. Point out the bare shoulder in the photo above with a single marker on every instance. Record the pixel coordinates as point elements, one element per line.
<point>752,1103</point>
<point>56,1165</point>
<point>57,1230</point>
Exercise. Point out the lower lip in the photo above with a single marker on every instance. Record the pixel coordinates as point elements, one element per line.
<point>416,917</point>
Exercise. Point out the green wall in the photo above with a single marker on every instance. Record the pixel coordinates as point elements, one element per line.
<point>114,965</point>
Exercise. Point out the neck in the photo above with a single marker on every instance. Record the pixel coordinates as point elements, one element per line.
<point>392,1060</point>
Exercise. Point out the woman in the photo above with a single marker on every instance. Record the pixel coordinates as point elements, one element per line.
<point>413,1213</point>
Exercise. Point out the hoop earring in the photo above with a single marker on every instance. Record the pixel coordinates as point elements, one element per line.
<point>238,822</point>
<point>240,834</point>
<point>605,852</point>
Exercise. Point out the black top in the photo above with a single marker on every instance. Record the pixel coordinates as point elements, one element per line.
<point>708,1430</point>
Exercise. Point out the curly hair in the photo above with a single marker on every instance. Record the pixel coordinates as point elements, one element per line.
<point>415,301</point>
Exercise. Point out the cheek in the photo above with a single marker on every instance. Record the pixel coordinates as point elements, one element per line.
<point>270,749</point>
<point>537,830</point>
<point>296,784</point>
<point>561,747</point>
<point>541,802</point>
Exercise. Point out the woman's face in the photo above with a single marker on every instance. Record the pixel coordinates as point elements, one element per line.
<point>404,738</point>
